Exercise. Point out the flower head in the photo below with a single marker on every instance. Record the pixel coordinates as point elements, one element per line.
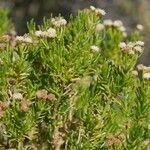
<point>146,76</point>
<point>51,33</point>
<point>131,44</point>
<point>140,27</point>
<point>117,23</point>
<point>124,34</point>
<point>122,29</point>
<point>24,105</point>
<point>135,73</point>
<point>4,105</point>
<point>92,8</point>
<point>95,48</point>
<point>143,68</point>
<point>131,48</point>
<point>39,33</point>
<point>98,11</point>
<point>138,49</point>
<point>41,94</point>
<point>24,39</point>
<point>108,22</point>
<point>122,45</point>
<point>17,96</point>
<point>99,27</point>
<point>28,40</point>
<point>59,22</point>
<point>140,43</point>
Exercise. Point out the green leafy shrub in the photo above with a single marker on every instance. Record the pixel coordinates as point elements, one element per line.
<point>73,86</point>
<point>4,21</point>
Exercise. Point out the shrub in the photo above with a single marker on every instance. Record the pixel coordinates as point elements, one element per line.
<point>74,86</point>
<point>4,21</point>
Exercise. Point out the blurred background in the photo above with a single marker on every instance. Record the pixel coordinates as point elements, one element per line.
<point>130,12</point>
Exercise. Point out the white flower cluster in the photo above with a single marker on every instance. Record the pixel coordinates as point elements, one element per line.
<point>17,96</point>
<point>109,23</point>
<point>135,73</point>
<point>95,48</point>
<point>58,22</point>
<point>100,27</point>
<point>146,76</point>
<point>24,39</point>
<point>50,33</point>
<point>145,69</point>
<point>139,27</point>
<point>132,48</point>
<point>142,67</point>
<point>116,24</point>
<point>98,11</point>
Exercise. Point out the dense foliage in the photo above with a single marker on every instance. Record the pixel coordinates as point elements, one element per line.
<point>73,86</point>
<point>4,21</point>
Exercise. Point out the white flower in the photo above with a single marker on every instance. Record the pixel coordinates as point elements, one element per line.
<point>140,43</point>
<point>51,33</point>
<point>135,73</point>
<point>100,27</point>
<point>59,22</point>
<point>118,23</point>
<point>138,49</point>
<point>28,40</point>
<point>95,77</point>
<point>146,68</point>
<point>140,67</point>
<point>24,39</point>
<point>100,11</point>
<point>122,29</point>
<point>92,8</point>
<point>124,34</point>
<point>131,45</point>
<point>130,48</point>
<point>140,27</point>
<point>131,52</point>
<point>108,22</point>
<point>122,45</point>
<point>95,48</point>
<point>19,38</point>
<point>146,76</point>
<point>39,33</point>
<point>17,96</point>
